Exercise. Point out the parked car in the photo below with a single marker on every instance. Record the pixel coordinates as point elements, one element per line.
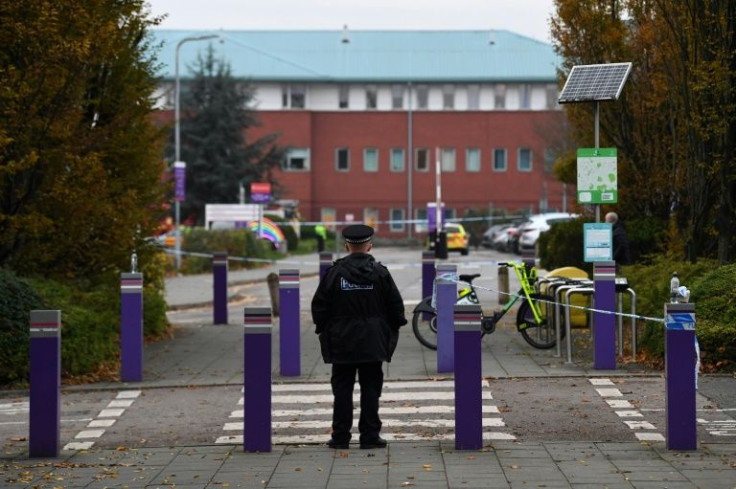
<point>499,236</point>
<point>457,238</point>
<point>535,225</point>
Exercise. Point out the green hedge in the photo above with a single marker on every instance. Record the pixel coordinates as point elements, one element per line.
<point>90,316</point>
<point>236,242</point>
<point>17,300</point>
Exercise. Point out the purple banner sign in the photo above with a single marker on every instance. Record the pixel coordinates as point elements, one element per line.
<point>180,181</point>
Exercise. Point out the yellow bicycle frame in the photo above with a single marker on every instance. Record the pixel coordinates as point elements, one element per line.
<point>526,282</point>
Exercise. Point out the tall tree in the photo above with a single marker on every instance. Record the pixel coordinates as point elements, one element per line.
<point>79,156</point>
<point>674,125</point>
<point>216,117</point>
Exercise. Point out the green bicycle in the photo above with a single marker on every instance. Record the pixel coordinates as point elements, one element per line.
<point>531,318</point>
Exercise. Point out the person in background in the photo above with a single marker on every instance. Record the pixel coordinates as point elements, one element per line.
<point>321,233</point>
<point>357,310</point>
<point>621,252</point>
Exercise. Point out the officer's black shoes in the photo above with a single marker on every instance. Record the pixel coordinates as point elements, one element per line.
<point>373,443</point>
<point>338,445</point>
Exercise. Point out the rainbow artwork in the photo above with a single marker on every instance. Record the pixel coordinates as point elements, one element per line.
<point>270,231</point>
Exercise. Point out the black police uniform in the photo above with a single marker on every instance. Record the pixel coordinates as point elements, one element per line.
<point>357,310</point>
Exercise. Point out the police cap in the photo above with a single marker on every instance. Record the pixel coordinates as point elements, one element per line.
<point>357,233</point>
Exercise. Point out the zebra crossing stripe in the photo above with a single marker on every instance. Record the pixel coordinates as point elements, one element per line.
<point>401,402</point>
<point>114,409</point>
<point>624,409</point>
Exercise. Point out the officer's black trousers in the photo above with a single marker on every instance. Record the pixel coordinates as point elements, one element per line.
<point>370,377</point>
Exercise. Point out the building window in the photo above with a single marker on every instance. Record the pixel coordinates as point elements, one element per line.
<point>472,160</point>
<point>549,159</point>
<point>342,159</point>
<point>499,159</point>
<point>525,160</point>
<point>422,97</point>
<point>473,97</point>
<point>525,91</point>
<point>371,97</point>
<point>448,97</point>
<point>294,96</point>
<point>499,96</point>
<point>297,159</point>
<point>370,160</point>
<point>370,217</point>
<point>422,160</point>
<point>343,93</point>
<point>552,95</point>
<point>397,220</point>
<point>420,218</point>
<point>397,96</point>
<point>447,159</point>
<point>397,159</point>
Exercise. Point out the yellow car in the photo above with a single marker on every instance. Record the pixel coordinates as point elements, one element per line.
<point>457,238</point>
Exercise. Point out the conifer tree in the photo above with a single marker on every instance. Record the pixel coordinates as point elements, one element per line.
<point>216,118</point>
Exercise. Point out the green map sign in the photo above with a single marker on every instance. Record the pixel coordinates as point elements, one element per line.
<point>597,176</point>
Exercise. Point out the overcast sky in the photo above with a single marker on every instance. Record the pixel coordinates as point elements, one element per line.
<point>526,17</point>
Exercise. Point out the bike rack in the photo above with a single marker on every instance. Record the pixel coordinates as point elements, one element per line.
<point>558,290</point>
<point>569,290</point>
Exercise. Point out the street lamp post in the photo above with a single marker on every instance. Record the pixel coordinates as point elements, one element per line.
<point>177,139</point>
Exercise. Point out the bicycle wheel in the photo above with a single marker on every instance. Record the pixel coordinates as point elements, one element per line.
<point>538,334</point>
<point>425,328</point>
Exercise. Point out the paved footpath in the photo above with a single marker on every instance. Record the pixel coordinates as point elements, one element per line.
<point>418,463</point>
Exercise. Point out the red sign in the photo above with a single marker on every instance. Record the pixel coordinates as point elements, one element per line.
<point>260,192</point>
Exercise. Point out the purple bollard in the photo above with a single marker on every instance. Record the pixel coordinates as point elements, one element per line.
<point>468,387</point>
<point>446,297</point>
<point>289,323</point>
<point>427,273</point>
<point>45,391</point>
<point>680,361</point>
<point>131,327</point>
<point>219,275</point>
<point>257,379</point>
<point>604,324</point>
<point>325,262</point>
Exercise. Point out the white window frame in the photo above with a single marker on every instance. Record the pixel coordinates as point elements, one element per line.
<point>296,154</point>
<point>448,160</point>
<point>371,97</point>
<point>394,226</point>
<point>393,158</point>
<point>420,218</point>
<point>473,165</point>
<point>371,217</point>
<point>290,96</point>
<point>473,97</point>
<point>519,160</point>
<point>427,159</point>
<point>448,97</point>
<point>422,97</point>
<point>525,96</point>
<point>343,96</point>
<point>397,97</point>
<point>339,151</point>
<point>366,160</point>
<point>505,159</point>
<point>499,96</point>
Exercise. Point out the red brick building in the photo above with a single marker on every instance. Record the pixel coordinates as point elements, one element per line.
<point>368,113</point>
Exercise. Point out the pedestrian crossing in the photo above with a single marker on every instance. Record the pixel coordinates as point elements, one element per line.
<point>410,411</point>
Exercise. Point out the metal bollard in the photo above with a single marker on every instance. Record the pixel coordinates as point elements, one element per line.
<point>219,276</point>
<point>325,262</point>
<point>680,361</point>
<point>45,390</point>
<point>604,325</point>
<point>446,297</point>
<point>468,387</point>
<point>503,285</point>
<point>131,327</point>
<point>257,327</point>
<point>289,324</point>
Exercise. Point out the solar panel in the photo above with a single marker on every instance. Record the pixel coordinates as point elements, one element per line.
<point>589,83</point>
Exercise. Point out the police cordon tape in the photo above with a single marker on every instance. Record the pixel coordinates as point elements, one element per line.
<point>450,277</point>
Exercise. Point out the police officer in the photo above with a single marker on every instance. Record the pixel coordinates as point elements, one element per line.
<point>357,310</point>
